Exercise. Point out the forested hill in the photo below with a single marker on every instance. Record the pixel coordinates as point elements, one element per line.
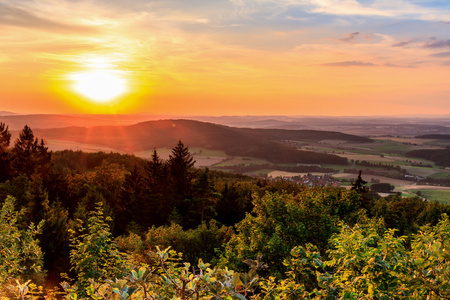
<point>260,143</point>
<point>301,135</point>
<point>434,136</point>
<point>440,157</point>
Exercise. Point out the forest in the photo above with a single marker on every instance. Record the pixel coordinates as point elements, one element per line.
<point>77,225</point>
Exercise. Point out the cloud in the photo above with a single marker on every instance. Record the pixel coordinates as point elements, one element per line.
<point>13,16</point>
<point>349,64</point>
<point>399,66</point>
<point>349,37</point>
<point>438,44</point>
<point>403,43</point>
<point>441,54</point>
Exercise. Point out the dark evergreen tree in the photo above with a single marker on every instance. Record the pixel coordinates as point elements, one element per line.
<point>231,206</point>
<point>366,198</point>
<point>30,155</point>
<point>129,200</point>
<point>155,206</point>
<point>38,195</point>
<point>181,167</point>
<point>358,185</point>
<point>204,200</point>
<point>5,139</point>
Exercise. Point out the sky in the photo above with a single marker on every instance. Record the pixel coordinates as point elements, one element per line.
<point>225,57</point>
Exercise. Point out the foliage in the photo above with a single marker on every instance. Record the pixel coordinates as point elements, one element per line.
<point>94,255</point>
<point>201,242</point>
<point>169,278</point>
<point>280,222</point>
<point>20,254</point>
<point>431,258</point>
<point>382,187</point>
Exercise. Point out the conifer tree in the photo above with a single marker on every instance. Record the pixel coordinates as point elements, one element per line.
<point>181,165</point>
<point>129,198</point>
<point>156,206</point>
<point>205,198</point>
<point>30,155</point>
<point>5,138</point>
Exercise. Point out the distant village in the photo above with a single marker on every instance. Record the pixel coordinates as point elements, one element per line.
<point>309,180</point>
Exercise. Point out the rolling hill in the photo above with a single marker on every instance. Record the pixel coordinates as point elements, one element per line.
<point>434,136</point>
<point>259,143</point>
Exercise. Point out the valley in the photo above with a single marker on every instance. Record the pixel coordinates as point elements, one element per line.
<point>271,150</point>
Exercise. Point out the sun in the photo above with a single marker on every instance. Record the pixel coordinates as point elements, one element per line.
<point>101,86</point>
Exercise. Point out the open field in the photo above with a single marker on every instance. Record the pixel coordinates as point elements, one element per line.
<point>207,152</point>
<point>371,158</point>
<point>391,147</point>
<point>59,145</point>
<point>203,157</point>
<point>275,174</point>
<point>260,172</point>
<point>207,161</point>
<point>435,195</point>
<point>238,160</point>
<point>421,171</point>
<point>441,175</point>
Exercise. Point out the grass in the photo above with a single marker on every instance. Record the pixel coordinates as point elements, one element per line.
<point>442,143</point>
<point>259,172</point>
<point>420,171</point>
<point>207,152</point>
<point>340,168</point>
<point>370,158</point>
<point>435,195</point>
<point>440,175</point>
<point>389,146</point>
<point>59,145</point>
<point>238,160</point>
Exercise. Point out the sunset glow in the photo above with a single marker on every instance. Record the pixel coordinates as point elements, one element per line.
<point>99,85</point>
<point>225,57</point>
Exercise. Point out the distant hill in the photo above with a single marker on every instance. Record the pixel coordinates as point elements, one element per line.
<point>440,157</point>
<point>259,143</point>
<point>434,136</point>
<point>307,135</point>
<point>7,113</point>
<point>17,122</point>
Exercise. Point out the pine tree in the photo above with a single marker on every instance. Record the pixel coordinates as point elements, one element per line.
<point>129,198</point>
<point>157,196</point>
<point>30,155</point>
<point>5,138</point>
<point>204,200</point>
<point>181,165</point>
